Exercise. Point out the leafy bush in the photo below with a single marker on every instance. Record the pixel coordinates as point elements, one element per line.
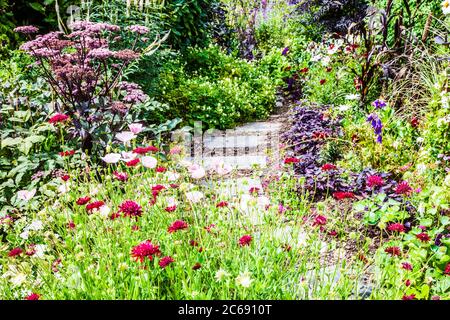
<point>210,86</point>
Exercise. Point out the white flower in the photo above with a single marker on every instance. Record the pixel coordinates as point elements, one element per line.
<point>196,171</point>
<point>128,156</point>
<point>221,168</point>
<point>244,279</point>
<point>24,235</point>
<point>244,202</point>
<point>421,168</point>
<point>18,279</point>
<point>172,176</point>
<point>111,158</point>
<point>326,61</point>
<point>125,136</point>
<point>39,250</point>
<point>149,162</point>
<point>263,202</point>
<point>344,107</point>
<point>64,188</point>
<point>171,201</point>
<point>104,211</point>
<point>26,195</point>
<point>420,140</point>
<point>194,196</point>
<point>36,225</point>
<point>352,96</point>
<point>220,274</point>
<point>136,127</point>
<point>316,58</point>
<point>446,7</point>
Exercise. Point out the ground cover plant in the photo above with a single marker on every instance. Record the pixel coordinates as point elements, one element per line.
<point>349,100</point>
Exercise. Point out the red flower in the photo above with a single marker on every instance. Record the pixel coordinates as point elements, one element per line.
<point>144,150</point>
<point>174,186</point>
<point>143,250</point>
<point>114,216</point>
<point>161,169</point>
<point>83,201</point>
<point>407,282</point>
<point>403,188</point>
<point>304,70</point>
<point>398,227</point>
<point>67,153</point>
<point>245,240</point>
<point>130,209</point>
<point>71,225</point>
<point>132,163</point>
<point>165,261</point>
<point>374,181</point>
<point>447,269</point>
<point>414,122</point>
<point>33,296</point>
<point>333,233</point>
<point>193,243</point>
<point>135,227</point>
<point>291,160</point>
<point>177,225</point>
<point>410,297</point>
<point>322,82</point>
<point>343,195</point>
<point>31,250</point>
<point>171,208</point>
<point>253,190</point>
<point>59,117</point>
<point>65,177</point>
<point>319,135</point>
<point>211,226</point>
<point>196,266</point>
<point>121,176</point>
<point>94,205</point>
<point>329,69</point>
<point>393,251</point>
<point>222,204</point>
<point>15,252</point>
<point>320,221</point>
<point>158,188</point>
<point>423,237</point>
<point>328,167</point>
<point>407,266</point>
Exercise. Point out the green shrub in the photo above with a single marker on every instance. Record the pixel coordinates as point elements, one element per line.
<point>210,86</point>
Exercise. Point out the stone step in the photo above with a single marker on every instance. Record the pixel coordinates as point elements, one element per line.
<point>237,162</point>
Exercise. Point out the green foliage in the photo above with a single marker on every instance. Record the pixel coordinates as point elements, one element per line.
<point>210,86</point>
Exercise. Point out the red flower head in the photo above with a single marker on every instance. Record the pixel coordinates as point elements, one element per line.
<point>407,266</point>
<point>171,208</point>
<point>222,204</point>
<point>398,227</point>
<point>320,221</point>
<point>447,269</point>
<point>71,225</point>
<point>393,251</point>
<point>31,250</point>
<point>158,188</point>
<point>329,69</point>
<point>414,122</point>
<point>177,225</point>
<point>410,297</point>
<point>135,227</point>
<point>423,237</point>
<point>403,188</point>
<point>245,240</point>
<point>407,282</point>
<point>57,118</point>
<point>144,150</point>
<point>196,266</point>
<point>165,261</point>
<point>15,252</point>
<point>374,181</point>
<point>304,70</point>
<point>143,250</point>
<point>328,167</point>
<point>210,227</point>
<point>67,153</point>
<point>130,208</point>
<point>33,296</point>
<point>291,160</point>
<point>65,177</point>
<point>121,176</point>
<point>253,190</point>
<point>114,216</point>
<point>319,134</point>
<point>343,195</point>
<point>322,81</point>
<point>83,201</point>
<point>132,163</point>
<point>161,169</point>
<point>94,205</point>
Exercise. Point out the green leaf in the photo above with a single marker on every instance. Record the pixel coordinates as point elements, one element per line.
<point>9,142</point>
<point>37,6</point>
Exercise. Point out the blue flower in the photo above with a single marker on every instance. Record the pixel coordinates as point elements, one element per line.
<point>379,104</point>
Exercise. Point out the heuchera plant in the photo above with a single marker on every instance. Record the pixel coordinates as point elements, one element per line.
<point>85,70</point>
